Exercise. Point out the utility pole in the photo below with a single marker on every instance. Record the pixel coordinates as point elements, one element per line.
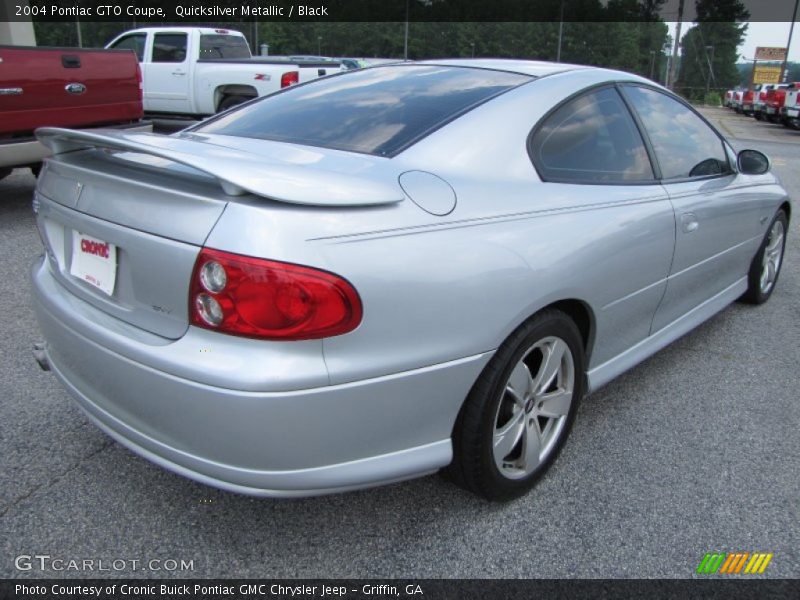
<point>78,27</point>
<point>405,39</point>
<point>560,32</point>
<point>710,61</point>
<point>652,62</point>
<point>784,72</point>
<point>674,68</point>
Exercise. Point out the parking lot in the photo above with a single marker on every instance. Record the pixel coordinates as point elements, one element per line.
<point>696,450</point>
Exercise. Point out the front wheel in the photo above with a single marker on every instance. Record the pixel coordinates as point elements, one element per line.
<point>766,265</point>
<point>519,413</point>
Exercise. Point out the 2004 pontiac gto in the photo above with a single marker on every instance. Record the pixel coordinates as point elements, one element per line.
<point>390,272</point>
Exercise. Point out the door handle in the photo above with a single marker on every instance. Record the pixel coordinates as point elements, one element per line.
<point>689,222</point>
<point>179,72</point>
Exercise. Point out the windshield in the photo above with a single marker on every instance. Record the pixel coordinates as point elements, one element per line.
<point>379,111</point>
<point>223,46</point>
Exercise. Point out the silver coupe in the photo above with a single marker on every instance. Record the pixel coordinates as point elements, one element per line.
<point>390,272</point>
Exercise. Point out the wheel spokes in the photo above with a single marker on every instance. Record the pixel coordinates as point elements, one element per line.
<point>532,446</point>
<point>520,383</point>
<point>554,404</point>
<point>552,355</point>
<point>507,437</point>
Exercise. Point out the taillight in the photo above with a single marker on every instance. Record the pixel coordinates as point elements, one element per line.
<point>290,78</point>
<point>255,297</point>
<point>762,96</point>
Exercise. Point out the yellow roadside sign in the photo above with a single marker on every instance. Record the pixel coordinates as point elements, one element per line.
<point>769,53</point>
<point>766,74</point>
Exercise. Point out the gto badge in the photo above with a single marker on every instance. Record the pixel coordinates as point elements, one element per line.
<point>75,88</point>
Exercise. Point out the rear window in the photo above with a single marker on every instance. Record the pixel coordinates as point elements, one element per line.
<point>376,111</point>
<point>223,46</point>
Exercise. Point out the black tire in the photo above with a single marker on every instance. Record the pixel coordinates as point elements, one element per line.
<point>474,465</point>
<point>36,169</point>
<point>759,116</point>
<point>231,101</point>
<point>5,172</point>
<point>756,292</point>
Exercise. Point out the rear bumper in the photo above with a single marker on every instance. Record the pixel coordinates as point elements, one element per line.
<point>791,113</point>
<point>30,151</point>
<point>293,443</point>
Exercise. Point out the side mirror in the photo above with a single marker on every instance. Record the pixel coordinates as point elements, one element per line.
<point>753,162</point>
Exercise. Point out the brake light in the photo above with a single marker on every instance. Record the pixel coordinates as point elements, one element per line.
<point>266,299</point>
<point>290,78</point>
<point>222,31</point>
<point>762,96</point>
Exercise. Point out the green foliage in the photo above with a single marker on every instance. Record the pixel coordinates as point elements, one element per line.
<point>713,99</point>
<point>710,49</point>
<point>624,34</point>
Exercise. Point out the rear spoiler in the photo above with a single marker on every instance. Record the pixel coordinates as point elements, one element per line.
<point>237,172</point>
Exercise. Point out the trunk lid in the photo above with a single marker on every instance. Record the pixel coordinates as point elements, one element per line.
<point>150,202</point>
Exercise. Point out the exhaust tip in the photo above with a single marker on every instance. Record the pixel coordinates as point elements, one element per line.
<point>40,355</point>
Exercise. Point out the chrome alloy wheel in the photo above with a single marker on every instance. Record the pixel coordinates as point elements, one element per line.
<point>773,255</point>
<point>533,408</point>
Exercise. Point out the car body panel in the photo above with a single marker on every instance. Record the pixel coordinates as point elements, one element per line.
<point>440,292</point>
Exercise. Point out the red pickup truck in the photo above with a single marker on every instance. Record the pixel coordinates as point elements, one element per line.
<point>63,87</point>
<point>774,102</point>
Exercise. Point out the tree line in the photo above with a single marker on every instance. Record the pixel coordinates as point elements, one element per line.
<point>629,35</point>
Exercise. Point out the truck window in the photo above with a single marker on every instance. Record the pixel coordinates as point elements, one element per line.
<point>223,46</point>
<point>169,47</point>
<point>133,42</point>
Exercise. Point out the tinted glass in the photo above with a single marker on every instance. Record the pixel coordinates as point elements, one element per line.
<point>684,144</point>
<point>223,46</point>
<point>376,111</point>
<point>169,47</point>
<point>591,139</point>
<point>132,42</point>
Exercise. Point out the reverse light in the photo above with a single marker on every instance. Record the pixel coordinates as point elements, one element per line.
<point>255,297</point>
<point>290,78</point>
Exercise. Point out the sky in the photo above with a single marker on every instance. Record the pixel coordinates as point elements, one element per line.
<point>762,33</point>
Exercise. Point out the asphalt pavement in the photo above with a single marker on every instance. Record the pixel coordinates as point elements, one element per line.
<point>695,450</point>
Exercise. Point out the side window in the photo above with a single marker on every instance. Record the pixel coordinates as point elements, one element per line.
<point>591,139</point>
<point>169,47</point>
<point>684,144</point>
<point>133,42</point>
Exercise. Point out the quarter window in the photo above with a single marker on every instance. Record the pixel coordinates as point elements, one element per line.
<point>685,146</point>
<point>591,139</point>
<point>169,47</point>
<point>132,42</point>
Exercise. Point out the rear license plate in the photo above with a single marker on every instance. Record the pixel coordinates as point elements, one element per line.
<point>770,110</point>
<point>792,112</point>
<point>94,261</point>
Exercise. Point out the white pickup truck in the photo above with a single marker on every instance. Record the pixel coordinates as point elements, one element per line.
<point>200,71</point>
<point>790,112</point>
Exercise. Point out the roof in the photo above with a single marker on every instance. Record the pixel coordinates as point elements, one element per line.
<point>536,68</point>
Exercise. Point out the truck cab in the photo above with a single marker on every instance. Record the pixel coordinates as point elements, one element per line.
<point>200,71</point>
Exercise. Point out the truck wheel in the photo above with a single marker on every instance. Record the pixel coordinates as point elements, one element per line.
<point>231,101</point>
<point>35,169</point>
<point>5,172</point>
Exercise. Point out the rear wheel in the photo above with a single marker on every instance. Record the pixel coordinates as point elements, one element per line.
<point>766,265</point>
<point>231,101</point>
<point>519,413</point>
<point>5,172</point>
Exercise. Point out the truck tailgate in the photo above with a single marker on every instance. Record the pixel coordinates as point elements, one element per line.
<point>67,87</point>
